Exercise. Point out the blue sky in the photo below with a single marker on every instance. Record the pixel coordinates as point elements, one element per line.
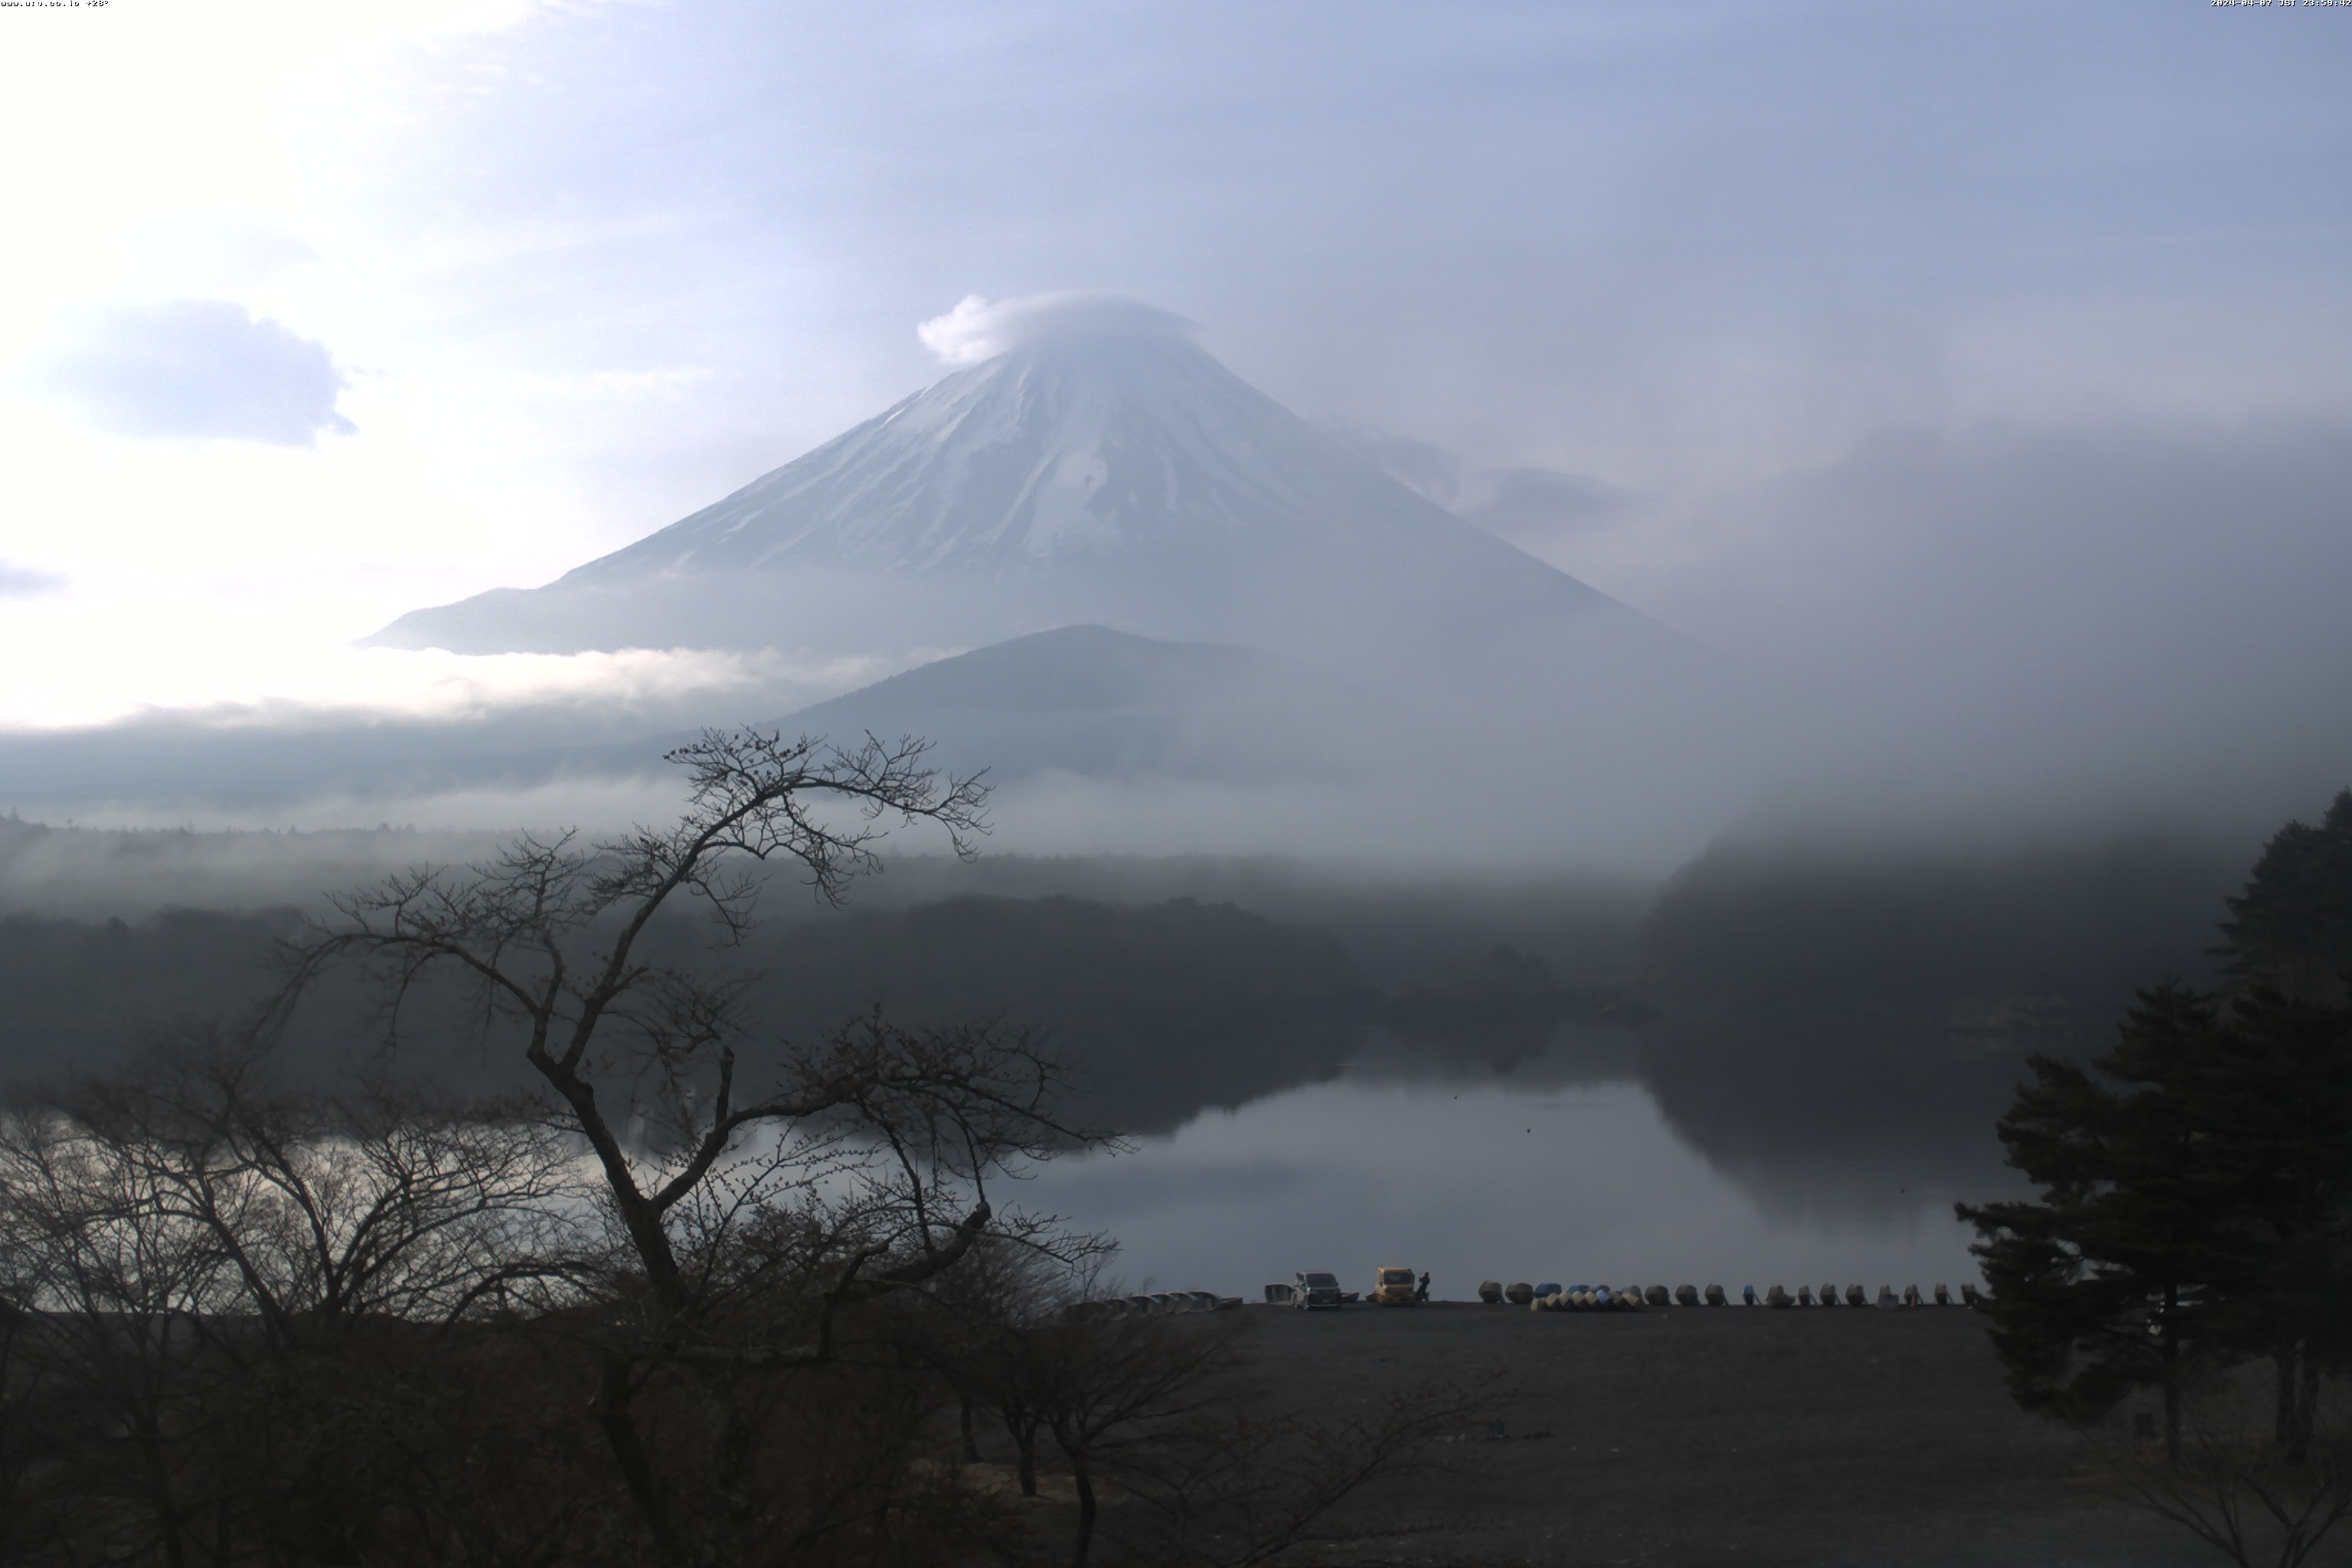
<point>335,312</point>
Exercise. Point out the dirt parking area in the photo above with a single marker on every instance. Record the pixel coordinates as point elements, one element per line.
<point>1730,1436</point>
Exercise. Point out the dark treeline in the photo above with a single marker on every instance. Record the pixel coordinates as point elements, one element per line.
<point>1165,1007</point>
<point>1396,924</point>
<point>1817,926</point>
<point>1061,961</point>
<point>1161,1010</point>
<point>1798,1011</point>
<point>1992,938</point>
<point>79,991</point>
<point>1400,926</point>
<point>1843,1023</point>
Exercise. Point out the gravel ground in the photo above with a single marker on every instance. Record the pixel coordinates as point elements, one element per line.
<point>1730,1436</point>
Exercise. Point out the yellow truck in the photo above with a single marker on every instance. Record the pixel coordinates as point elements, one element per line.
<point>1395,1287</point>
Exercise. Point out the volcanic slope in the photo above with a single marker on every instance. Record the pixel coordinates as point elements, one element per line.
<point>1093,701</point>
<point>1109,473</point>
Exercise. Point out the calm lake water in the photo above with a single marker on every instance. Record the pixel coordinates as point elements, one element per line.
<point>1739,1157</point>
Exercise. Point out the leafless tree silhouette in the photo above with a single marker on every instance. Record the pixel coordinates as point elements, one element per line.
<point>752,1193</point>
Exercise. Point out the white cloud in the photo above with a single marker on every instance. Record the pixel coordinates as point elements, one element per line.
<point>23,581</point>
<point>120,656</point>
<point>979,329</point>
<point>204,369</point>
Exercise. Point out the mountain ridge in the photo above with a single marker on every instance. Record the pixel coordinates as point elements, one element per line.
<point>1107,704</point>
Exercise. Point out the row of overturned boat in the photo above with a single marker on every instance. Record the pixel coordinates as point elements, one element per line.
<point>1155,1304</point>
<point>1552,1297</point>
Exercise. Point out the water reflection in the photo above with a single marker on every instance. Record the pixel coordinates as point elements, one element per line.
<point>1833,1116</point>
<point>1749,1150</point>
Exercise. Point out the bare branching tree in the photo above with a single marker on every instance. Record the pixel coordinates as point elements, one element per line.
<point>215,1269</point>
<point>377,1199</point>
<point>114,1298</point>
<point>2232,1484</point>
<point>694,1298</point>
<point>550,936</point>
<point>753,1190</point>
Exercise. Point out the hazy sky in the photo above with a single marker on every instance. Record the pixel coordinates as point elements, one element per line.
<point>315,313</point>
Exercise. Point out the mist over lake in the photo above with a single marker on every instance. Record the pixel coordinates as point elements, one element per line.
<point>1539,1077</point>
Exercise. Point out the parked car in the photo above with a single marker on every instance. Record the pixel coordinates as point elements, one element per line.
<point>1394,1288</point>
<point>1314,1290</point>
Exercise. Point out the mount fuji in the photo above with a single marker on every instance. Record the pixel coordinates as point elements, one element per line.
<point>1097,467</point>
<point>1166,613</point>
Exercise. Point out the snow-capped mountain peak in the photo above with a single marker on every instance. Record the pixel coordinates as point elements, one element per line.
<point>1090,463</point>
<point>1075,448</point>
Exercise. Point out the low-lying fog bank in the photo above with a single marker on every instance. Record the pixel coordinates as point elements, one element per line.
<point>1807,1016</point>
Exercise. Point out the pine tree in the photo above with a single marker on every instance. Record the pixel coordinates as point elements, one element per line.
<point>2292,928</point>
<point>2112,1280</point>
<point>2287,950</point>
<point>2196,1182</point>
<point>2277,1095</point>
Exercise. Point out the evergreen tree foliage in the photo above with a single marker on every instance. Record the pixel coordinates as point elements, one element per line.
<point>2109,1282</point>
<point>2292,928</point>
<point>2276,1095</point>
<point>2195,1204</point>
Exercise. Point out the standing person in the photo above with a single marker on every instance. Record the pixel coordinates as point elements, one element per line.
<point>1420,1291</point>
